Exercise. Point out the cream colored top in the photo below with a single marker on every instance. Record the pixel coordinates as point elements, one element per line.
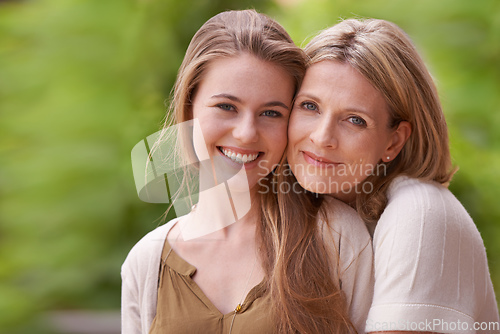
<point>431,271</point>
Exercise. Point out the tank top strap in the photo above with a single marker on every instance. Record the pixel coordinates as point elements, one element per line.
<point>167,249</point>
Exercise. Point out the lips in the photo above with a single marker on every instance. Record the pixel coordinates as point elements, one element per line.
<point>318,161</point>
<point>242,157</point>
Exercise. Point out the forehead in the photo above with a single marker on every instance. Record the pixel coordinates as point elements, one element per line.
<point>247,75</point>
<point>340,83</point>
<point>338,75</point>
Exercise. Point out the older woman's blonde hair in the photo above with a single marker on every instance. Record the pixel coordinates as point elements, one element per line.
<point>387,58</point>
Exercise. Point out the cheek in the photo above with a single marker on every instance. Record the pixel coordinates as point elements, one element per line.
<point>297,129</point>
<point>360,146</point>
<point>363,156</point>
<point>278,139</point>
<point>207,132</point>
<point>201,141</point>
<point>365,162</point>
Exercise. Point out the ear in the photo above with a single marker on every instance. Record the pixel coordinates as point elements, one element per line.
<point>398,140</point>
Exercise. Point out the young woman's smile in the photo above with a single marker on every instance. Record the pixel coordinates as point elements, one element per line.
<point>240,156</point>
<point>243,105</point>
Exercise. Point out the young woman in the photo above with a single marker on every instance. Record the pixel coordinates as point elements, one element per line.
<point>368,129</point>
<point>233,265</point>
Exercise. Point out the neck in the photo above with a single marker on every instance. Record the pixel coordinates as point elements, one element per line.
<point>348,198</point>
<point>216,211</point>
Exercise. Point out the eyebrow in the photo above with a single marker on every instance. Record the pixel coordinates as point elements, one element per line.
<point>308,96</point>
<point>268,104</point>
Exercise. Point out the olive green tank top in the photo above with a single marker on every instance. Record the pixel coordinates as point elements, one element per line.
<point>183,308</point>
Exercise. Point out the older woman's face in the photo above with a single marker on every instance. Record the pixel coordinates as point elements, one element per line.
<point>338,131</point>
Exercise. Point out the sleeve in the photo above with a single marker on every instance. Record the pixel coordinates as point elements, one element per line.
<point>355,257</point>
<point>130,304</point>
<point>357,284</point>
<point>139,274</point>
<point>431,271</point>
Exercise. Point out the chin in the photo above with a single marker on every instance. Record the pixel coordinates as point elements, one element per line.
<point>315,185</point>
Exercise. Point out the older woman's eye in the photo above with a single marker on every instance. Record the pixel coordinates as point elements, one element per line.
<point>356,120</point>
<point>309,106</point>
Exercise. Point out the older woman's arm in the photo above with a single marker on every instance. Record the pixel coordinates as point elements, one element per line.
<point>431,271</point>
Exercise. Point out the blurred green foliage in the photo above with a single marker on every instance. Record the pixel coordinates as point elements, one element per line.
<point>82,81</point>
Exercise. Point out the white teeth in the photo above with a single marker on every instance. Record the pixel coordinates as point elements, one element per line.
<point>240,158</point>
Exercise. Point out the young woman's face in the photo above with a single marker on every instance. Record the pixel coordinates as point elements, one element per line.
<point>243,106</point>
<point>338,130</point>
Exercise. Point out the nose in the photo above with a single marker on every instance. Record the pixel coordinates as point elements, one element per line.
<point>323,134</point>
<point>245,129</point>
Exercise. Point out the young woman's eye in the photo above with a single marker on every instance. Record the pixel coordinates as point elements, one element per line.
<point>225,106</point>
<point>271,113</point>
<point>356,120</point>
<point>309,106</point>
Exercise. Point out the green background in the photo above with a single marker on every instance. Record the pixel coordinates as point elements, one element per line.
<point>81,82</point>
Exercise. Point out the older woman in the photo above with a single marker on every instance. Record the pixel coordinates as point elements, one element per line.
<point>367,128</point>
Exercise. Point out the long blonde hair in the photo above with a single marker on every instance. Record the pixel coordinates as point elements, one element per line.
<point>387,58</point>
<point>305,277</point>
<point>285,248</point>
